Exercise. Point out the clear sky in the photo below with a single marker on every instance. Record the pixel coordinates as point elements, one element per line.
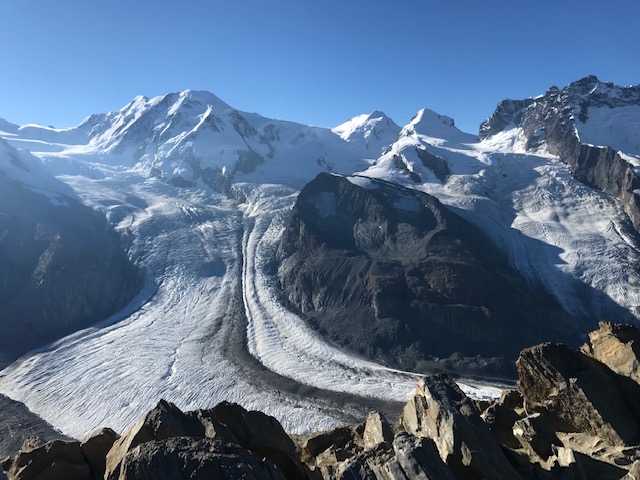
<point>318,62</point>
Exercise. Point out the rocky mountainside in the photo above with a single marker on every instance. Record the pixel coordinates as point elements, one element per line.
<point>394,275</point>
<point>571,417</point>
<point>62,267</point>
<point>591,125</point>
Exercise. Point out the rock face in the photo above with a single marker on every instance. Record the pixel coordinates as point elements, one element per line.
<point>618,347</point>
<point>204,443</point>
<point>392,274</point>
<point>54,459</point>
<point>440,411</point>
<point>580,394</point>
<point>561,121</point>
<point>182,457</point>
<point>62,268</point>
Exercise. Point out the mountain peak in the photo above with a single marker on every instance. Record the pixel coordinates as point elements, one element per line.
<point>428,119</point>
<point>373,127</point>
<point>377,114</point>
<point>431,124</point>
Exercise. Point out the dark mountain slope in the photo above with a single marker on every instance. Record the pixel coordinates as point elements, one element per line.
<point>392,274</point>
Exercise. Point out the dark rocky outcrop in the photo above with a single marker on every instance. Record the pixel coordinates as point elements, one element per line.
<point>392,274</point>
<point>579,394</point>
<point>95,448</point>
<point>62,268</point>
<point>217,436</point>
<point>51,460</point>
<point>552,120</point>
<point>182,457</point>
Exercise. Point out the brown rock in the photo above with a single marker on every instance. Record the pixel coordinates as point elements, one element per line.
<point>164,421</point>
<point>263,435</point>
<point>537,437</point>
<point>441,411</point>
<point>52,460</point>
<point>376,431</point>
<point>419,458</point>
<point>634,472</point>
<point>580,394</point>
<point>95,448</point>
<point>182,458</point>
<point>500,420</point>
<point>511,399</point>
<point>618,347</point>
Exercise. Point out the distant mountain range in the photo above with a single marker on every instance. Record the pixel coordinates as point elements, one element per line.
<point>180,235</point>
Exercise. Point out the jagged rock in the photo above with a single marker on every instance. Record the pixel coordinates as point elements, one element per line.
<point>95,448</point>
<point>512,399</point>
<point>51,460</point>
<point>376,431</point>
<point>419,458</point>
<point>441,411</point>
<point>393,274</point>
<point>537,437</point>
<point>580,394</point>
<point>634,472</point>
<point>618,347</point>
<point>181,457</point>
<point>500,420</point>
<point>163,422</point>
<point>330,447</point>
<point>502,415</point>
<point>263,435</point>
<point>404,458</point>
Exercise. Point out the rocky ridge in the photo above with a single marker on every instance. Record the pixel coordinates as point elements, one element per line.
<point>572,417</point>
<point>559,121</point>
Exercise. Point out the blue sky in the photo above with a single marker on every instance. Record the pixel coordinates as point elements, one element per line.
<point>316,62</point>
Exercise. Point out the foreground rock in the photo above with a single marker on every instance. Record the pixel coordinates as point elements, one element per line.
<point>442,412</point>
<point>572,418</point>
<point>182,457</point>
<point>580,394</point>
<point>54,459</point>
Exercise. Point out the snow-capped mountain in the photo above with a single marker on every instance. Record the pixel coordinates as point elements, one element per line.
<point>590,125</point>
<point>374,131</point>
<point>597,113</point>
<point>193,137</point>
<point>203,193</point>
